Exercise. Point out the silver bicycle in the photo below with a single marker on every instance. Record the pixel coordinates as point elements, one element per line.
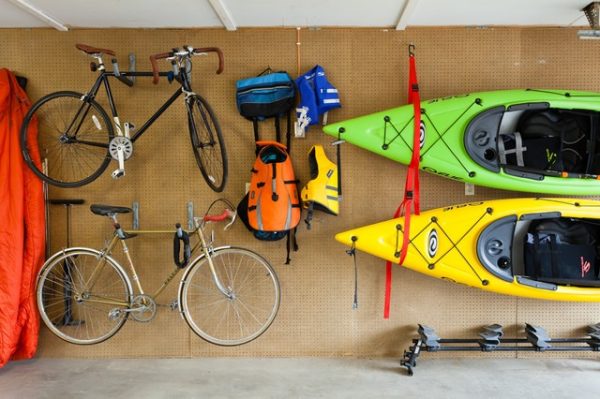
<point>228,296</point>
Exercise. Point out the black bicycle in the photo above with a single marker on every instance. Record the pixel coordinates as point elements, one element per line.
<point>77,137</point>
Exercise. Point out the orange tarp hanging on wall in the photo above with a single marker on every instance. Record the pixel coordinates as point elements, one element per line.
<point>21,228</point>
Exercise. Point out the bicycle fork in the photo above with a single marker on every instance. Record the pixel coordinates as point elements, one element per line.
<point>228,292</point>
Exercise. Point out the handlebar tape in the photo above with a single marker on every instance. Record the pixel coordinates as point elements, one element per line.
<point>153,59</point>
<point>213,50</point>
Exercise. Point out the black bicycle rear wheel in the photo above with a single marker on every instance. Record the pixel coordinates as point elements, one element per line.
<point>73,133</point>
<point>207,143</point>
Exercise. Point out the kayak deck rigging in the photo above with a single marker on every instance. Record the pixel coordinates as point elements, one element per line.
<point>454,244</point>
<point>440,136</point>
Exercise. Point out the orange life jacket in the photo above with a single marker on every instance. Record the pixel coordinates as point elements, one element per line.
<point>273,201</point>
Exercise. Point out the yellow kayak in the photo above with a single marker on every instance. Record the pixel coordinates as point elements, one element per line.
<point>545,248</point>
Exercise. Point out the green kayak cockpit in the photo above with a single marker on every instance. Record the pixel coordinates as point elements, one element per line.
<point>542,250</point>
<point>533,140</point>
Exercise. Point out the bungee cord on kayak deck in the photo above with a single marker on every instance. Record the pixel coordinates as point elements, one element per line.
<point>576,204</point>
<point>564,94</point>
<point>434,221</point>
<point>388,121</point>
<point>441,136</point>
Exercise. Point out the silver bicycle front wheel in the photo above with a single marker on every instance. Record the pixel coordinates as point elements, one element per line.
<point>245,313</point>
<point>81,297</point>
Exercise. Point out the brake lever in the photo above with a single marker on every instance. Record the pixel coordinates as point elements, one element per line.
<point>233,215</point>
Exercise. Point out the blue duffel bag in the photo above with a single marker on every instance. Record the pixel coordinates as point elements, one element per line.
<point>265,96</point>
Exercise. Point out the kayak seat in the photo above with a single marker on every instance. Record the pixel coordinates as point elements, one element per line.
<point>547,140</point>
<point>563,251</point>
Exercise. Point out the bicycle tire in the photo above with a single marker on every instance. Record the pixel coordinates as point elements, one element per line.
<point>71,313</point>
<point>207,143</point>
<point>235,267</point>
<point>86,162</point>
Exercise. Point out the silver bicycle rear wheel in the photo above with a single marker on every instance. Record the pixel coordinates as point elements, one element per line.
<point>248,311</point>
<point>76,309</point>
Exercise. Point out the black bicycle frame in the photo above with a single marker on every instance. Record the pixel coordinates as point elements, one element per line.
<point>182,79</point>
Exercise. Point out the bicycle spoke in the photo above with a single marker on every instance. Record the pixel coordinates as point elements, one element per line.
<point>85,320</point>
<point>250,309</point>
<point>61,118</point>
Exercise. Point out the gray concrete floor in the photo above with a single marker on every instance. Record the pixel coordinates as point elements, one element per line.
<point>299,378</point>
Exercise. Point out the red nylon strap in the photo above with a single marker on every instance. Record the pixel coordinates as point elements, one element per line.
<point>411,187</point>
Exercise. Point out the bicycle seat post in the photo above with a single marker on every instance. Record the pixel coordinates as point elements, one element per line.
<point>116,225</point>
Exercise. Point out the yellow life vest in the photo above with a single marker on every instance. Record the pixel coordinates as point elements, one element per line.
<point>321,192</point>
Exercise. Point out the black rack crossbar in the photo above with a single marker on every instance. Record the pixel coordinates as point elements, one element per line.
<point>492,340</point>
<point>514,340</point>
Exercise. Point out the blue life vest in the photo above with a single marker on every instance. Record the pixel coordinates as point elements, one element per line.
<point>317,94</point>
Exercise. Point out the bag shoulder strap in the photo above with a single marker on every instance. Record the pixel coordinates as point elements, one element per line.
<point>277,122</point>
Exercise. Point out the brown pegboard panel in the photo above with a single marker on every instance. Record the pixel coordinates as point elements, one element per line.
<point>369,67</point>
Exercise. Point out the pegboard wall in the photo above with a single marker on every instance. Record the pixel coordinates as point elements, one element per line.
<point>370,69</point>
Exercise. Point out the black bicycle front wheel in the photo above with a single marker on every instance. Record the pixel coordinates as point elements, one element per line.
<point>73,133</point>
<point>207,143</point>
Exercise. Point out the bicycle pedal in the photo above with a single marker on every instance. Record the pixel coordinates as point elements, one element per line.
<point>174,305</point>
<point>118,173</point>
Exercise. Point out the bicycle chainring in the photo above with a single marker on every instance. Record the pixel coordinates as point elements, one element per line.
<point>143,308</point>
<point>120,143</point>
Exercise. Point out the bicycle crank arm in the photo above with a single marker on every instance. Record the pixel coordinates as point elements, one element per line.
<point>116,312</point>
<point>121,149</point>
<point>120,172</point>
<point>139,309</point>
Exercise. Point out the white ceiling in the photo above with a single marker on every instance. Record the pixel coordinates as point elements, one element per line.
<point>322,13</point>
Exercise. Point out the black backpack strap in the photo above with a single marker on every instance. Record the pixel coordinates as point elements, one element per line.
<point>256,136</point>
<point>291,243</point>
<point>277,129</point>
<point>287,247</point>
<point>288,134</point>
<point>288,137</point>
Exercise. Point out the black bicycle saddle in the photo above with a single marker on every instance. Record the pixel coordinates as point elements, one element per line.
<point>106,210</point>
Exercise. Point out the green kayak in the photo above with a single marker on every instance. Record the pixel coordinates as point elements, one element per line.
<point>542,141</point>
